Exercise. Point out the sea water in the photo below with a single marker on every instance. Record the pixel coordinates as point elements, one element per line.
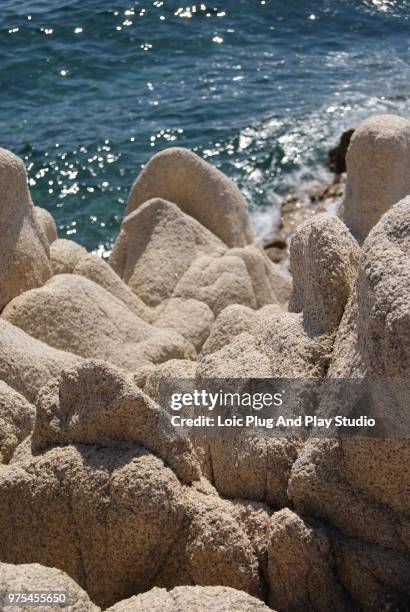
<point>91,89</point>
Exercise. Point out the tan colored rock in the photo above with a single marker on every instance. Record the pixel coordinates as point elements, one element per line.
<point>65,255</point>
<point>192,598</point>
<point>270,284</point>
<point>377,171</point>
<point>149,378</point>
<point>26,364</point>
<point>217,281</point>
<point>16,420</point>
<point>75,314</point>
<point>324,260</point>
<point>47,223</point>
<point>356,485</point>
<point>300,570</point>
<point>218,551</point>
<point>232,321</point>
<point>276,347</point>
<point>95,403</point>
<point>156,245</point>
<point>199,189</point>
<point>24,252</point>
<point>108,517</point>
<point>189,318</point>
<point>35,578</point>
<point>95,269</point>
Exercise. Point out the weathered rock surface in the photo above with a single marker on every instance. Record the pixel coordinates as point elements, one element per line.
<point>16,420</point>
<point>47,223</point>
<point>189,318</point>
<point>324,263</point>
<point>240,276</point>
<point>26,364</point>
<point>159,237</point>
<point>356,485</point>
<point>64,255</point>
<point>199,189</point>
<point>24,251</point>
<point>74,314</point>
<point>194,599</point>
<point>95,403</point>
<point>95,269</point>
<point>35,578</point>
<point>109,512</point>
<point>377,172</point>
<point>301,576</point>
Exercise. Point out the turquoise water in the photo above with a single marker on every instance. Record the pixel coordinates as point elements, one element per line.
<point>90,89</point>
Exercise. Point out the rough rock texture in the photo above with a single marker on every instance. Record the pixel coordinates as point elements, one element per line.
<point>276,346</point>
<point>324,260</point>
<point>159,236</point>
<point>95,403</point>
<point>24,250</point>
<point>368,504</point>
<point>64,256</point>
<point>16,420</point>
<point>97,270</point>
<point>199,189</point>
<point>113,514</point>
<point>301,576</point>
<point>194,599</point>
<point>189,318</point>
<point>26,364</point>
<point>47,223</point>
<point>232,321</point>
<point>377,171</point>
<point>149,378</point>
<point>75,314</point>
<point>240,276</point>
<point>32,577</point>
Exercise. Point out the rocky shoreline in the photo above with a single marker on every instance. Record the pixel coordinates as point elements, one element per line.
<point>97,500</point>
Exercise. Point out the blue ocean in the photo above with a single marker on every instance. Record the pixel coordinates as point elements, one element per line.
<point>91,89</point>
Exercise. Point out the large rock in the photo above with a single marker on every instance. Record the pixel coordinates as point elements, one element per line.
<point>47,223</point>
<point>16,420</point>
<point>90,499</point>
<point>353,484</point>
<point>35,578</point>
<point>194,599</point>
<point>24,251</point>
<point>241,276</point>
<point>199,189</point>
<point>276,346</point>
<point>324,262</point>
<point>95,403</point>
<point>64,256</point>
<point>156,245</point>
<point>377,171</point>
<point>190,318</point>
<point>95,269</point>
<point>75,314</point>
<point>300,569</point>
<point>231,322</point>
<point>26,364</point>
